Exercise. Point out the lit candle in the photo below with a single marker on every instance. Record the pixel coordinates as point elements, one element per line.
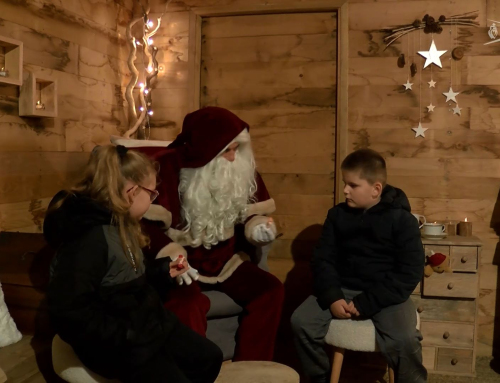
<point>4,72</point>
<point>464,228</point>
<point>39,105</point>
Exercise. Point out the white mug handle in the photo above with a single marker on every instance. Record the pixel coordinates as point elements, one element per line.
<point>418,217</point>
<point>444,228</point>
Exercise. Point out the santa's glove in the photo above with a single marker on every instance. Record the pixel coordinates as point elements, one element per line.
<point>264,232</point>
<point>189,276</point>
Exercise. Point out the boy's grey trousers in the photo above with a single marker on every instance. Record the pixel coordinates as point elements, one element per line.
<point>396,334</point>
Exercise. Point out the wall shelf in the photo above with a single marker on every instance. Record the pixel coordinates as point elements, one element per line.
<point>38,90</point>
<point>11,61</point>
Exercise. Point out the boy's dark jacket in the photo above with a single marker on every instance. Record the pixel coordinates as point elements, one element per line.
<point>98,304</point>
<point>377,251</point>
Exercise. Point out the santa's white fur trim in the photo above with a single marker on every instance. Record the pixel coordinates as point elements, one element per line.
<point>228,270</point>
<point>185,238</point>
<point>242,138</point>
<point>262,208</point>
<point>159,213</point>
<point>172,250</point>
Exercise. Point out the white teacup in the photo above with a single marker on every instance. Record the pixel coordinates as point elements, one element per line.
<point>434,228</point>
<point>421,220</point>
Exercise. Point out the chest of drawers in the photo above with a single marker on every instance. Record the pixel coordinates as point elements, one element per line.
<point>447,304</point>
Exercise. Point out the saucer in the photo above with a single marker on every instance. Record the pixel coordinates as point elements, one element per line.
<point>438,236</point>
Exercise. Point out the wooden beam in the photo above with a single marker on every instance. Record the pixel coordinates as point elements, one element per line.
<point>194,54</point>
<point>259,9</point>
<point>342,97</point>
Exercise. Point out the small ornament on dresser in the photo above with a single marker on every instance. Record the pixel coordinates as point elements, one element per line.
<point>4,72</point>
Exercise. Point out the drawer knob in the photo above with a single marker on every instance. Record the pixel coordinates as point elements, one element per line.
<point>450,286</point>
<point>446,335</point>
<point>420,309</point>
<point>454,361</point>
<point>464,259</point>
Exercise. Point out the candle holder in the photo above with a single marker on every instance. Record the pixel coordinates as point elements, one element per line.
<point>464,228</point>
<point>11,64</point>
<point>451,228</point>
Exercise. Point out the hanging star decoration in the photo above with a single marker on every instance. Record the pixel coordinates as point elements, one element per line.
<point>430,25</point>
<point>432,84</point>
<point>419,131</point>
<point>432,56</point>
<point>430,108</point>
<point>450,95</point>
<point>408,85</point>
<point>456,110</point>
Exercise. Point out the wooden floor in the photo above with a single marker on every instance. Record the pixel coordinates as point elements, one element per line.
<point>29,361</point>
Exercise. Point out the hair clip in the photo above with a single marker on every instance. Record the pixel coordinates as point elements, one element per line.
<point>122,151</point>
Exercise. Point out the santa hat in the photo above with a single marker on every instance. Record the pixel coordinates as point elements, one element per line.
<point>205,133</point>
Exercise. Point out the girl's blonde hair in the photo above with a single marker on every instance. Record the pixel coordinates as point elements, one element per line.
<point>103,180</point>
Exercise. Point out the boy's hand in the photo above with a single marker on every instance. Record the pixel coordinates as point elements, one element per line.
<point>340,309</point>
<point>352,309</point>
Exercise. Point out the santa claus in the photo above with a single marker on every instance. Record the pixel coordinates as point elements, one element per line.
<point>213,210</point>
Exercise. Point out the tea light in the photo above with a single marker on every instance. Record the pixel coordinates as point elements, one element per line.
<point>451,228</point>
<point>39,105</point>
<point>464,228</point>
<point>4,72</point>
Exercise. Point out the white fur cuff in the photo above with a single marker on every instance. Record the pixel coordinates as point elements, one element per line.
<point>261,208</point>
<point>159,213</point>
<point>172,250</point>
<point>227,271</point>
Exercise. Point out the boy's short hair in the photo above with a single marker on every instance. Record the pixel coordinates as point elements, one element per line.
<point>369,163</point>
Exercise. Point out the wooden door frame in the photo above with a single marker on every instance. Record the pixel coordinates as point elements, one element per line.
<point>339,6</point>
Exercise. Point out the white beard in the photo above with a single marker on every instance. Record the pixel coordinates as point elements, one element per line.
<point>215,197</point>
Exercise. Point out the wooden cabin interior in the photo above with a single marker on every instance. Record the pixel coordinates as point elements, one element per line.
<point>315,80</point>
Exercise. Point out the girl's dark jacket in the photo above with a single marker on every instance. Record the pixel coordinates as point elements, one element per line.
<point>98,303</point>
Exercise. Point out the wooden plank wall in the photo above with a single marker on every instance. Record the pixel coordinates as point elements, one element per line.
<point>455,171</point>
<point>80,43</point>
<point>278,73</point>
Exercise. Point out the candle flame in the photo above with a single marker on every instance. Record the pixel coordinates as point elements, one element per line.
<point>465,219</point>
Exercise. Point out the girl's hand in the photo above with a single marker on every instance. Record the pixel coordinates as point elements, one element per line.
<point>178,267</point>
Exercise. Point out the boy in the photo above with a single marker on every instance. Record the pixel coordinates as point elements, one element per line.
<point>366,264</point>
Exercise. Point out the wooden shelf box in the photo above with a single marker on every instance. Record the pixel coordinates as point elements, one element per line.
<point>38,89</point>
<point>11,61</point>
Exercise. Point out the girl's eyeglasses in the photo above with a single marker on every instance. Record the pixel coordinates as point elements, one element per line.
<point>153,194</point>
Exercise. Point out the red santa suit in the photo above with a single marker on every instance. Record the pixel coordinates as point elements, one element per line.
<point>221,262</point>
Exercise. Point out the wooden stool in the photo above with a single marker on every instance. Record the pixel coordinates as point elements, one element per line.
<point>354,335</point>
<point>257,372</point>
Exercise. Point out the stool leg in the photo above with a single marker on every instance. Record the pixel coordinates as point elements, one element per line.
<point>391,375</point>
<point>338,359</point>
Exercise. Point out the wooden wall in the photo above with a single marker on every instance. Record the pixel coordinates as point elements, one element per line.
<point>454,172</point>
<point>79,43</point>
<point>451,174</point>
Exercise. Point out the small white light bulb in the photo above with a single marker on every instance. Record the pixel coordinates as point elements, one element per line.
<point>150,112</point>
